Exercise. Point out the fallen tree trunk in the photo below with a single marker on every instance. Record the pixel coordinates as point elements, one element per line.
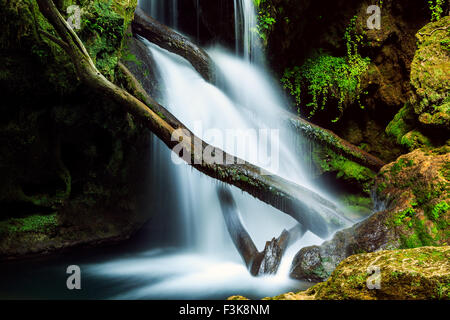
<point>315,213</point>
<point>258,263</point>
<point>168,39</point>
<point>331,140</point>
<point>172,41</point>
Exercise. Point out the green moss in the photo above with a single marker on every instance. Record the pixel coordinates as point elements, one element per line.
<point>445,171</point>
<point>440,209</point>
<point>401,124</point>
<point>405,274</point>
<point>401,216</point>
<point>400,164</point>
<point>402,128</point>
<point>381,187</point>
<point>414,139</point>
<point>345,169</point>
<point>33,223</point>
<point>358,204</point>
<point>243,178</point>
<point>419,237</point>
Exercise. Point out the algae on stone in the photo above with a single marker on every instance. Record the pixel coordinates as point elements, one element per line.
<point>430,74</point>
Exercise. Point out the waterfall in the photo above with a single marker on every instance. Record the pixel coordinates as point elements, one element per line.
<point>245,22</point>
<point>205,262</point>
<point>165,11</point>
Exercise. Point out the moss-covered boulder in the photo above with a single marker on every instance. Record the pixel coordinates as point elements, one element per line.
<point>413,274</point>
<point>416,191</point>
<point>412,196</point>
<point>430,74</point>
<point>404,128</point>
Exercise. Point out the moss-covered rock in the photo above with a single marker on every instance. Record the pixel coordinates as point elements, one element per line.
<point>417,191</point>
<point>413,199</point>
<point>72,163</point>
<point>414,274</point>
<point>430,74</point>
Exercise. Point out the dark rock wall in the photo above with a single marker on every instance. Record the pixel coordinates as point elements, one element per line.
<point>73,165</point>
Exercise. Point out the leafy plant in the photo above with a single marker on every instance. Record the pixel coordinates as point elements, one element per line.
<point>436,8</point>
<point>265,20</point>
<point>327,76</point>
<point>440,209</point>
<point>407,213</point>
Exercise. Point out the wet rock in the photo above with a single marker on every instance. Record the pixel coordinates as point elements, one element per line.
<point>414,191</point>
<point>412,274</point>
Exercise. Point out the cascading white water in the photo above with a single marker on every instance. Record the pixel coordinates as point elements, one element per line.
<point>245,24</point>
<point>165,11</point>
<point>208,263</point>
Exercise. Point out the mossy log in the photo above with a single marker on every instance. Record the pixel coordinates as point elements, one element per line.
<point>331,140</point>
<point>312,211</point>
<point>172,41</point>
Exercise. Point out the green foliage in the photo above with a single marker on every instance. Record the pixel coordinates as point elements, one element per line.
<point>265,23</point>
<point>102,31</point>
<point>326,76</point>
<point>436,8</point>
<point>439,209</point>
<point>265,19</point>
<point>407,213</point>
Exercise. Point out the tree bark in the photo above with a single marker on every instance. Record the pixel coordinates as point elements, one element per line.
<point>331,140</point>
<point>312,211</point>
<point>172,41</point>
<point>258,263</point>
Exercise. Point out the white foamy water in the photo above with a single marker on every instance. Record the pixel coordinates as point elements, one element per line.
<point>206,263</point>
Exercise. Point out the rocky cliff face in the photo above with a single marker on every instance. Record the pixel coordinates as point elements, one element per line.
<point>72,164</point>
<point>384,87</point>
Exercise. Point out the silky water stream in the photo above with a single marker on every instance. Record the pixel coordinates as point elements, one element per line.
<point>202,263</point>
